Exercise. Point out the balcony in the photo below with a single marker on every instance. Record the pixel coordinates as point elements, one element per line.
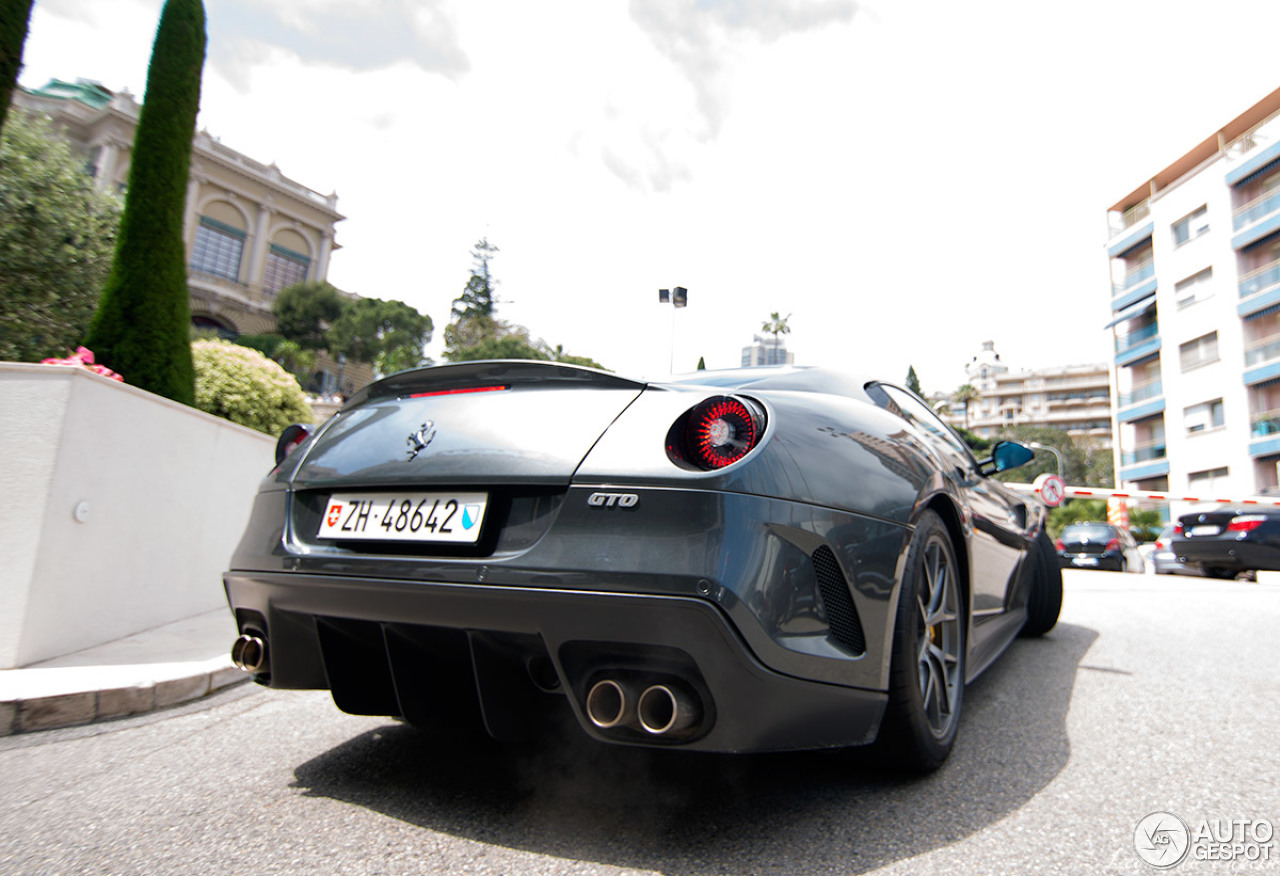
<point>1134,278</point>
<point>1130,218</point>
<point>1142,392</point>
<point>1256,210</point>
<point>1137,337</point>
<point>1143,453</point>
<point>1264,424</point>
<point>1263,350</point>
<point>1260,280</point>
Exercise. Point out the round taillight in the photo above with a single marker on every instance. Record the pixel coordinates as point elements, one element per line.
<point>717,432</point>
<point>289,440</point>
<point>1060,546</point>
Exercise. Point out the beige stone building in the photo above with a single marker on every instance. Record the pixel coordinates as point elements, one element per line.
<point>250,231</point>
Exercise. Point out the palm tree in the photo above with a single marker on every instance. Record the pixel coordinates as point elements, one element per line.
<point>963,396</point>
<point>777,325</point>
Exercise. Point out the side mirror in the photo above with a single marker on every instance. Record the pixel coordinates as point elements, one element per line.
<point>1007,455</point>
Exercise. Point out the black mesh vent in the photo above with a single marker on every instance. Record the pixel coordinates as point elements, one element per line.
<point>842,617</point>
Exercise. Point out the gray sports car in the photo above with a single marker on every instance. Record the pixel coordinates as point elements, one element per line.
<point>752,560</point>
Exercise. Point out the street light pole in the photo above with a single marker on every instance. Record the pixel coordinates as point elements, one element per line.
<point>679,297</point>
<point>1038,446</point>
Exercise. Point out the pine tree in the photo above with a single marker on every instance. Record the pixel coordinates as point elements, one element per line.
<point>478,298</point>
<point>913,382</point>
<point>15,16</point>
<point>142,325</point>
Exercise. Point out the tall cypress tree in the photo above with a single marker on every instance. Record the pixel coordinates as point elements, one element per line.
<point>15,17</point>
<point>142,326</point>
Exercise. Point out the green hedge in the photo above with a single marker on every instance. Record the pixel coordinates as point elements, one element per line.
<point>245,387</point>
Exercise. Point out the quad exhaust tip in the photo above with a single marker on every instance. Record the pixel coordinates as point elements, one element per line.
<point>660,710</point>
<point>609,704</point>
<point>249,653</point>
<point>667,710</point>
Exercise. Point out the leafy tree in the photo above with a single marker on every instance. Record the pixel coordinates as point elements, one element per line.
<point>1082,462</point>
<point>512,346</point>
<point>963,396</point>
<point>1145,523</point>
<point>140,327</point>
<point>1075,511</point>
<point>980,446</point>
<point>57,232</point>
<point>15,16</point>
<point>304,313</point>
<point>390,334</point>
<point>478,298</point>
<point>913,382</point>
<point>776,325</point>
<point>559,355</point>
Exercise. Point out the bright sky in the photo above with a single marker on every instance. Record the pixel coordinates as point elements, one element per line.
<point>906,178</point>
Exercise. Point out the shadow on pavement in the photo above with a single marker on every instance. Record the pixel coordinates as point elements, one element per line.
<point>690,813</point>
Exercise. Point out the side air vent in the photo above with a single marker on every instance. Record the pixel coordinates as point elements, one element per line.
<point>842,617</point>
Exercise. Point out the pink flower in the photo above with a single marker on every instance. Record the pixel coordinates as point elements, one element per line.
<point>83,357</point>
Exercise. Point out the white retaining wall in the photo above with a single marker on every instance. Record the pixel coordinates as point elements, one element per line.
<point>119,509</point>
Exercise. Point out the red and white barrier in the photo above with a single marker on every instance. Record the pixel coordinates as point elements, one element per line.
<point>1103,493</point>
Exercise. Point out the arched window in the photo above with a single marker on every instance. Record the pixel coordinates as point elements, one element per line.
<point>219,243</point>
<point>287,262</point>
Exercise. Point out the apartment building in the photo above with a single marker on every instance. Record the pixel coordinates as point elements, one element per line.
<point>250,231</point>
<point>1073,398</point>
<point>1195,312</point>
<point>766,351</point>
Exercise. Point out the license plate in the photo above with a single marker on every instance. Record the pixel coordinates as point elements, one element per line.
<point>453,518</point>
<point>1084,561</point>
<point>1206,530</point>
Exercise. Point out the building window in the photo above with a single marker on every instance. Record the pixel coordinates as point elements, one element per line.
<point>217,249</point>
<point>1201,351</point>
<point>1202,417</point>
<point>1195,288</point>
<point>284,268</point>
<point>1191,226</point>
<point>1208,480</point>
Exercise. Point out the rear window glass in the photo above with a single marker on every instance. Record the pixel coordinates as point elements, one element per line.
<point>1092,530</point>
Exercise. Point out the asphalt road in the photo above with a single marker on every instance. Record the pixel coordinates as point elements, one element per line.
<point>1151,695</point>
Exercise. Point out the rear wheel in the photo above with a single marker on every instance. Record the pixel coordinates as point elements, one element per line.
<point>926,679</point>
<point>1044,602</point>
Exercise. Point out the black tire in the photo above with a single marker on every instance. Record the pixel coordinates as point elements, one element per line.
<point>1217,572</point>
<point>926,676</point>
<point>1044,602</point>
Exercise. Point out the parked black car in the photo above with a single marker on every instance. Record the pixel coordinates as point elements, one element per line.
<point>1230,539</point>
<point>753,560</point>
<point>1098,546</point>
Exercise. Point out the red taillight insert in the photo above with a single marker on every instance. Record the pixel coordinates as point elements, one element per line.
<point>1113,545</point>
<point>716,433</point>
<point>1177,528</point>
<point>289,440</point>
<point>1060,546</point>
<point>459,391</point>
<point>1246,523</point>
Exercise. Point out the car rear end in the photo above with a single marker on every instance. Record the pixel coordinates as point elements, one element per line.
<point>1090,546</point>
<point>1230,539</point>
<point>490,546</point>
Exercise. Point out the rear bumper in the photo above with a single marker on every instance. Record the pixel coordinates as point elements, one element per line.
<point>496,658</point>
<point>1228,554</point>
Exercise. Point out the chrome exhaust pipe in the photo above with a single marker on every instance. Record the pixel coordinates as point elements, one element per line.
<point>249,653</point>
<point>609,704</point>
<point>667,709</point>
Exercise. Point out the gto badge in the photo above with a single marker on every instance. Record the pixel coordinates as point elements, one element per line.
<point>419,440</point>
<point>613,500</point>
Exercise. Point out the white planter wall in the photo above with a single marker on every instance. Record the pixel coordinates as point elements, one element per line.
<point>163,493</point>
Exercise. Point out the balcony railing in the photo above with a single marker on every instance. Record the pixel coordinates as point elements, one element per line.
<point>1124,343</point>
<point>1134,278</point>
<point>1263,278</point>
<point>1264,424</point>
<point>1263,350</point>
<point>1131,217</point>
<point>1143,453</point>
<point>1256,209</point>
<point>1142,392</point>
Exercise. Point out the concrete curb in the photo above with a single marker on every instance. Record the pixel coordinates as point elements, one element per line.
<point>48,711</point>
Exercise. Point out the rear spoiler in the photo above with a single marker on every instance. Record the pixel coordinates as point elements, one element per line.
<point>489,373</point>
